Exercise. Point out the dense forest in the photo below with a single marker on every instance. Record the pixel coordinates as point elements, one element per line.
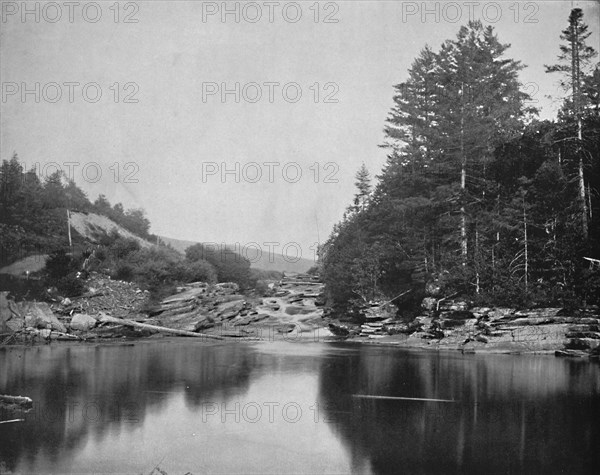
<point>478,199</point>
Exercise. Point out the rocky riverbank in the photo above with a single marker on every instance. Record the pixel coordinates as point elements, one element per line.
<point>455,325</point>
<point>292,306</point>
<point>293,309</point>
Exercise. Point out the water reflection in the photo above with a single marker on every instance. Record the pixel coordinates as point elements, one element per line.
<point>81,393</point>
<point>510,415</point>
<point>281,407</point>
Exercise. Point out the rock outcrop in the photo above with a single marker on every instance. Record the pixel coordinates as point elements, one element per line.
<point>113,309</point>
<point>454,324</point>
<point>294,303</point>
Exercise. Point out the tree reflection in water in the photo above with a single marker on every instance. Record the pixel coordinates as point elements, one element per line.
<point>511,414</point>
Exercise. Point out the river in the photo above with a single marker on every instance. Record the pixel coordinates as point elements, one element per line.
<point>278,407</point>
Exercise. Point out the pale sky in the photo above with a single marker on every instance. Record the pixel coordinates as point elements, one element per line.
<point>174,136</point>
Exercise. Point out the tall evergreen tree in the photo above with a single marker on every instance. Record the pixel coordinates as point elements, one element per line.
<point>575,59</point>
<point>455,108</point>
<point>363,187</point>
<point>474,194</point>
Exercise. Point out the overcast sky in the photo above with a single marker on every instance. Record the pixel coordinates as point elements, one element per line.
<point>161,136</point>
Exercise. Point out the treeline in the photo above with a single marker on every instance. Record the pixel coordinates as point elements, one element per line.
<point>133,220</point>
<point>478,198</point>
<point>33,211</point>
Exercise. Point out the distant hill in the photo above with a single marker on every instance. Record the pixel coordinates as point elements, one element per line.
<point>279,263</point>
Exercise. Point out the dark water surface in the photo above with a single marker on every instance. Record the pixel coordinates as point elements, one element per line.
<point>278,407</point>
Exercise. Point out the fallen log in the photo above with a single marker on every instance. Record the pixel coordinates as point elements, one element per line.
<point>12,420</point>
<point>145,326</point>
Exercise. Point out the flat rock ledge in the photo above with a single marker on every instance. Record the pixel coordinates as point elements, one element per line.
<point>454,325</point>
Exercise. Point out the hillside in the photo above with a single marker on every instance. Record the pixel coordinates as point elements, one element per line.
<point>89,226</point>
<point>279,264</point>
<point>92,226</point>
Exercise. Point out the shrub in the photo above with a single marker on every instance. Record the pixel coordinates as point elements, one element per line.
<point>314,270</point>
<point>124,272</point>
<point>123,247</point>
<point>70,286</point>
<point>200,270</point>
<point>59,264</point>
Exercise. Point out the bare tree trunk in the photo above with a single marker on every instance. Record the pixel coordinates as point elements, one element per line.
<point>69,228</point>
<point>477,260</point>
<point>526,254</point>
<point>582,197</point>
<point>589,195</point>
<point>463,185</point>
<point>575,79</point>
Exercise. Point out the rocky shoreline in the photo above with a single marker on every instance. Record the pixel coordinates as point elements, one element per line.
<point>455,325</point>
<point>294,309</point>
<point>113,309</point>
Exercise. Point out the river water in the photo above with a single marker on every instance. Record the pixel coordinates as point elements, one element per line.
<point>278,407</point>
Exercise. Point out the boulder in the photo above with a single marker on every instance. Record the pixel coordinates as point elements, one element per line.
<point>39,315</point>
<point>8,322</point>
<point>82,322</point>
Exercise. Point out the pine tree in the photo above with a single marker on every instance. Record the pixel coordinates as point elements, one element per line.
<point>574,59</point>
<point>363,186</point>
<point>11,181</point>
<point>449,115</point>
<point>481,107</point>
